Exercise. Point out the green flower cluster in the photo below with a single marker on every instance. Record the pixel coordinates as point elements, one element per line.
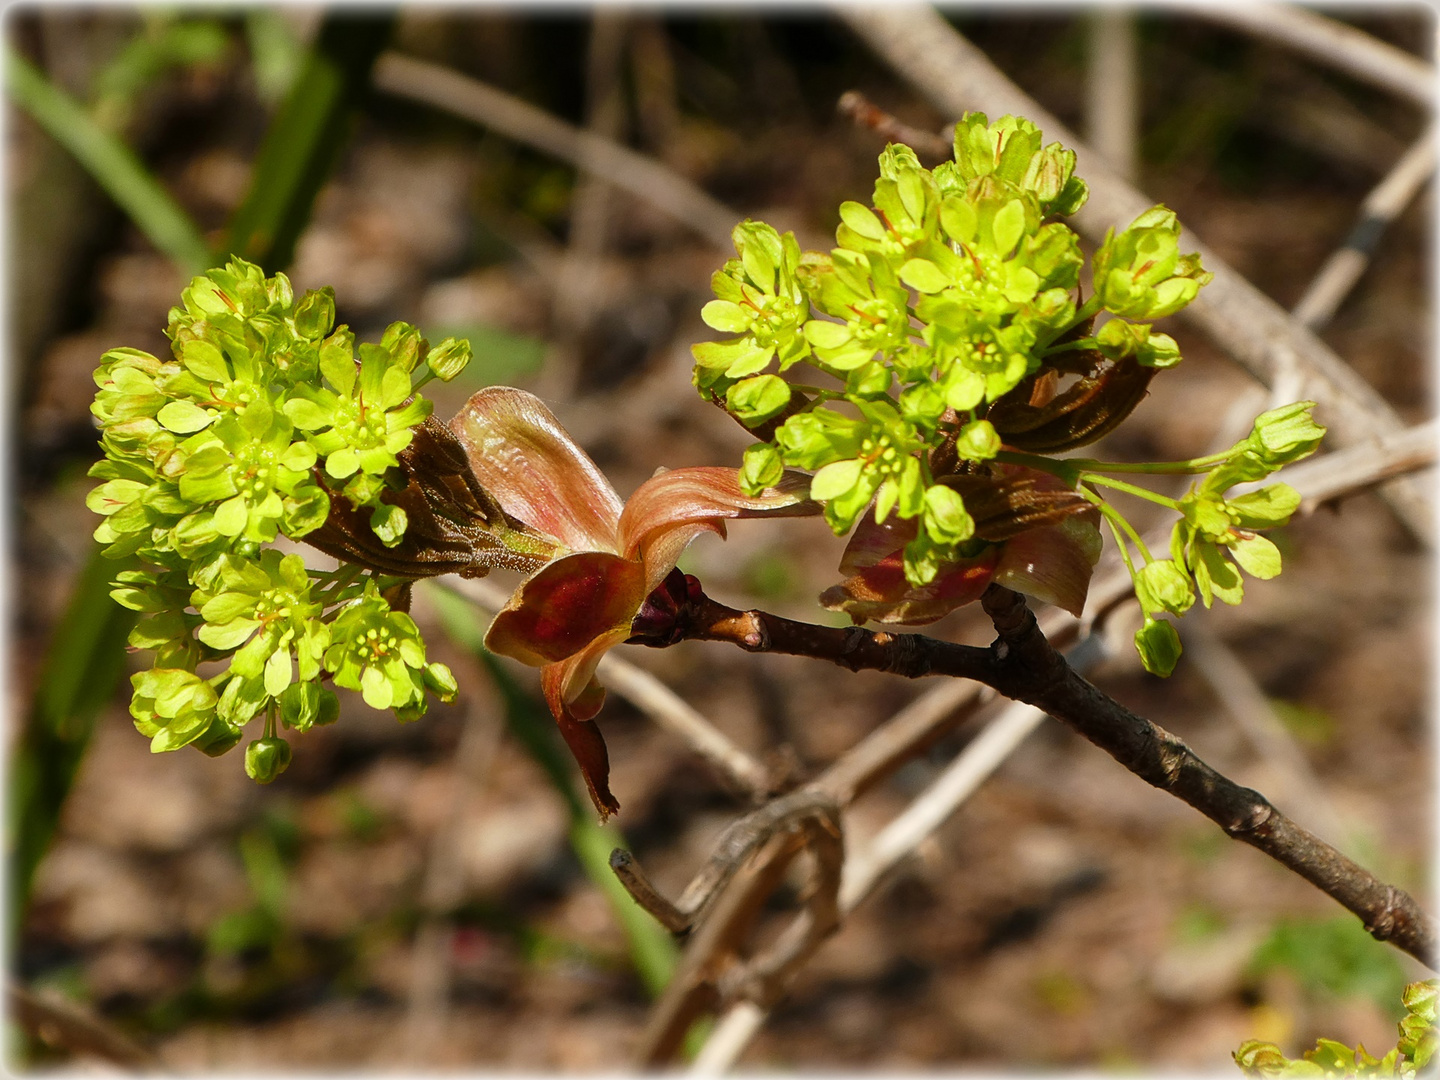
<point>1412,1053</point>
<point>955,287</point>
<point>1215,537</point>
<point>260,419</point>
<point>950,334</point>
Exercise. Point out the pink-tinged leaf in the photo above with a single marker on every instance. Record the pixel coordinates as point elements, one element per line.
<point>870,543</point>
<point>880,592</point>
<point>663,548</point>
<point>673,507</point>
<point>566,606</point>
<point>1052,564</point>
<point>522,456</point>
<point>577,673</point>
<point>586,743</point>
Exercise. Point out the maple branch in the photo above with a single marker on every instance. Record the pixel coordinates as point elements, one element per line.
<point>1022,665</point>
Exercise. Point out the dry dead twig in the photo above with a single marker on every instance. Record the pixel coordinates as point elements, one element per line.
<point>638,174</point>
<point>1340,272</point>
<point>865,113</point>
<point>865,869</point>
<point>750,862</point>
<point>1330,42</point>
<point>68,1026</point>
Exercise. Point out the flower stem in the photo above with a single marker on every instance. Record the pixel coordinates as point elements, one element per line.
<point>344,576</point>
<point>1117,522</point>
<point>1067,469</point>
<point>820,393</point>
<point>1130,489</point>
<point>1070,346</point>
<point>1157,468</point>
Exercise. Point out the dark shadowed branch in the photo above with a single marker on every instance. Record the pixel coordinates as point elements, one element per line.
<point>1021,664</point>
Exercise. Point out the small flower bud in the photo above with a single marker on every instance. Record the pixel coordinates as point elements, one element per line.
<point>1159,646</point>
<point>449,358</point>
<point>267,758</point>
<point>315,314</point>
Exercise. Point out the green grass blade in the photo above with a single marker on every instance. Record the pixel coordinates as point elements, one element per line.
<point>85,660</point>
<point>652,950</point>
<point>304,142</point>
<point>113,164</point>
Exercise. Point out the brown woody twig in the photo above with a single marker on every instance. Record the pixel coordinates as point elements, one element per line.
<point>725,898</point>
<point>1021,664</point>
<point>70,1026</point>
<point>865,113</point>
<point>636,173</point>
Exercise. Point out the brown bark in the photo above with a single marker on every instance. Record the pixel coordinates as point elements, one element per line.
<point>1021,664</point>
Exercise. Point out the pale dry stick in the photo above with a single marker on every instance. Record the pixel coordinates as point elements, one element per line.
<point>691,990</point>
<point>1241,696</point>
<point>638,174</point>
<point>69,1026</point>
<point>1324,121</point>
<point>1328,41</point>
<point>677,716</point>
<point>864,112</point>
<point>1340,272</point>
<point>807,817</point>
<point>865,869</point>
<point>938,802</point>
<point>732,1033</point>
<point>1112,122</point>
<point>737,843</point>
<point>956,77</point>
<point>652,697</point>
<point>765,977</point>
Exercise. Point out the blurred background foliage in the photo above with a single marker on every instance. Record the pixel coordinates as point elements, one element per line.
<point>436,894</point>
